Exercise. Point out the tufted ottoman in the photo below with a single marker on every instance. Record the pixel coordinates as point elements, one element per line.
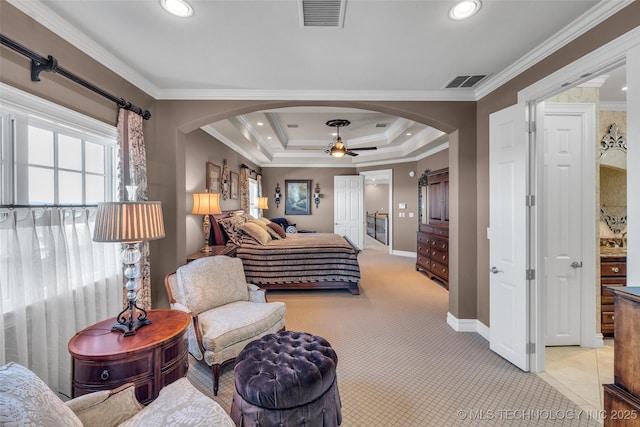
<point>286,379</point>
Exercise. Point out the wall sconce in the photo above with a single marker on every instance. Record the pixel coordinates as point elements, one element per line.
<point>316,195</point>
<point>276,196</point>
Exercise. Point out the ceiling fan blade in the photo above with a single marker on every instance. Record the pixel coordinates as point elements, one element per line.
<point>363,149</point>
<point>350,153</point>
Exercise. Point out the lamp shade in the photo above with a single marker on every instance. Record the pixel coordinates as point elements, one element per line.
<point>262,202</point>
<point>206,204</point>
<point>128,222</point>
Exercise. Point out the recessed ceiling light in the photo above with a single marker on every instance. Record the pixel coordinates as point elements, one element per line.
<point>464,9</point>
<point>177,7</point>
<point>260,123</point>
<point>624,88</point>
<point>269,137</point>
<point>408,133</point>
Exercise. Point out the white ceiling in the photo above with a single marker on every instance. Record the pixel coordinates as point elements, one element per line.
<point>258,49</point>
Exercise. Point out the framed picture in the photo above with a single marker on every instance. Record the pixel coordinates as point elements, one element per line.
<point>235,185</point>
<point>214,174</point>
<point>297,197</point>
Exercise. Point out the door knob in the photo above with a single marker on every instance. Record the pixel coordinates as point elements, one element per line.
<point>576,264</point>
<point>495,270</point>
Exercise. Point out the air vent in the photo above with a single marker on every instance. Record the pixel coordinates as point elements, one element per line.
<point>292,126</point>
<point>381,125</point>
<point>322,13</point>
<point>466,81</point>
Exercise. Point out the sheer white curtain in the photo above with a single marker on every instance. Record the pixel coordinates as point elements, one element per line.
<point>54,281</point>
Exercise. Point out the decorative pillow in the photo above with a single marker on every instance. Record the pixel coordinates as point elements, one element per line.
<point>276,228</point>
<point>254,230</point>
<point>231,226</point>
<point>291,229</point>
<point>217,236</point>
<point>265,220</point>
<point>26,400</point>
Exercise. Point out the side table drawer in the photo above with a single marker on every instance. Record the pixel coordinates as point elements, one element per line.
<point>144,389</point>
<point>114,372</point>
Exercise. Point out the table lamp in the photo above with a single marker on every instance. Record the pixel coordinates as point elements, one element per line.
<point>130,223</point>
<point>206,204</point>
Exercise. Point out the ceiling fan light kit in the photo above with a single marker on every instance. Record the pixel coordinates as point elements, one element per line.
<point>337,148</point>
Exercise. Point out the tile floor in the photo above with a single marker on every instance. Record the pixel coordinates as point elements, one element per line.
<point>579,373</point>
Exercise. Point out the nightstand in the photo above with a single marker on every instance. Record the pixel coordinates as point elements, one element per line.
<point>155,356</point>
<point>228,250</point>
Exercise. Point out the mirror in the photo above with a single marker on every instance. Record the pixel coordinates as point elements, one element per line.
<point>613,185</point>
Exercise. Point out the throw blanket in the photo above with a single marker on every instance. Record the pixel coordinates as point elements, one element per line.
<point>300,258</point>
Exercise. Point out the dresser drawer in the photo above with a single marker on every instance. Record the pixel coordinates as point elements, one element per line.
<point>607,315</point>
<point>613,268</point>
<point>102,373</point>
<point>440,245</point>
<point>440,270</point>
<point>423,262</point>
<point>438,231</point>
<point>424,249</point>
<point>440,256</point>
<point>424,238</point>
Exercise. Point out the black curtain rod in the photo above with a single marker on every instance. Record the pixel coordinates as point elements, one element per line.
<point>40,63</point>
<point>13,206</point>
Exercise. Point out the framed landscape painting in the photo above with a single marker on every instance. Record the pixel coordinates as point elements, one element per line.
<point>297,198</point>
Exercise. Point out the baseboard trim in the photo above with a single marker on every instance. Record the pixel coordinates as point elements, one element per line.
<point>468,325</point>
<point>405,254</point>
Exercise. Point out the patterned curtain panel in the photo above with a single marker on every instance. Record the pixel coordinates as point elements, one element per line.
<point>244,189</point>
<point>133,172</point>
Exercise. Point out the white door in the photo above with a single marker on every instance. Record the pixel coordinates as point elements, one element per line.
<point>509,332</point>
<point>348,202</point>
<point>566,240</point>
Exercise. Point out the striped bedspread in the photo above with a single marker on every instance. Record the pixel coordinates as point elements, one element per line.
<point>300,258</point>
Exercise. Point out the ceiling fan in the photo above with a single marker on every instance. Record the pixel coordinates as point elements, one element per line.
<point>337,147</point>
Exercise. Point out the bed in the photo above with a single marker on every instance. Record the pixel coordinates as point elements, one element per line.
<point>273,259</point>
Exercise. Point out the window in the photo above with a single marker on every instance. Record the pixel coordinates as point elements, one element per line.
<point>253,195</point>
<point>52,156</point>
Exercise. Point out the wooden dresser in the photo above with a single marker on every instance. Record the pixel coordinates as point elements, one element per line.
<point>622,399</point>
<point>613,272</point>
<point>152,358</point>
<point>433,231</point>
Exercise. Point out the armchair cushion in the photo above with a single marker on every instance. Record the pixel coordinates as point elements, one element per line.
<point>106,408</point>
<point>26,400</point>
<point>231,323</point>
<point>210,282</point>
<point>181,404</point>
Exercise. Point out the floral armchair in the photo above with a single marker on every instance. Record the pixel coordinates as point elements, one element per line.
<point>227,313</point>
<point>26,400</point>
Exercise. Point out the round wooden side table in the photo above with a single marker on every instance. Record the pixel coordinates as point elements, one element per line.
<point>155,356</point>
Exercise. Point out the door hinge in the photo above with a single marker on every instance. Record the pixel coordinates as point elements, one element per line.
<point>531,274</point>
<point>530,200</point>
<point>531,126</point>
<point>531,348</point>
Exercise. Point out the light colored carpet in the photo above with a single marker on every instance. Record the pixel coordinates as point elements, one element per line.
<point>400,364</point>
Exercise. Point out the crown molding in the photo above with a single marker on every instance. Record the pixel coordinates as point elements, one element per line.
<point>55,23</point>
<point>314,95</point>
<point>594,16</point>
<point>613,106</point>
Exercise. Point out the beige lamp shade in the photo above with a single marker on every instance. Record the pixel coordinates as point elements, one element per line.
<point>206,204</point>
<point>128,222</point>
<point>262,202</point>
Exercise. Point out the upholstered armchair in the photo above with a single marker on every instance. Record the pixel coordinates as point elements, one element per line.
<point>26,400</point>
<point>227,313</point>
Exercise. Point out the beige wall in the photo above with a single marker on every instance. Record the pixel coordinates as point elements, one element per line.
<point>321,218</point>
<point>200,149</point>
<point>506,96</point>
<point>169,133</point>
<point>376,198</point>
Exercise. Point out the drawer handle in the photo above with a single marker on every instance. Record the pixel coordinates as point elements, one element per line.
<point>104,375</point>
<point>615,269</point>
